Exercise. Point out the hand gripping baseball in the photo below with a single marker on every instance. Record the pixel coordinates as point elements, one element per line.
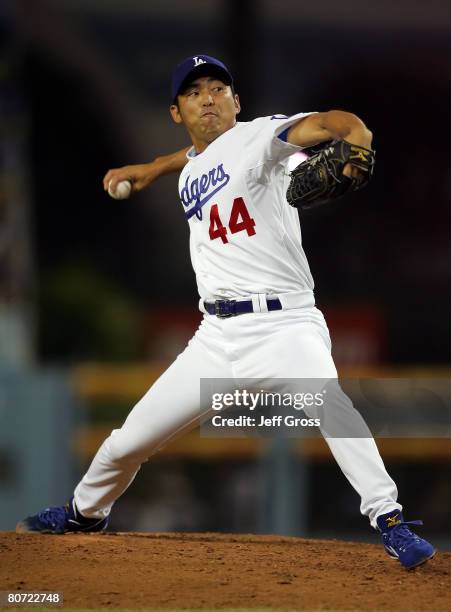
<point>320,178</point>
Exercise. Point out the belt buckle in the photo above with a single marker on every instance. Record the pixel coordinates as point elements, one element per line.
<point>222,308</point>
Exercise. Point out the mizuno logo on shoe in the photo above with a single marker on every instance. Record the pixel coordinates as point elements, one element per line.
<point>393,520</point>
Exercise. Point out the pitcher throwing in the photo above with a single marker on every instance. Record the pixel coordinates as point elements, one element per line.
<point>255,287</point>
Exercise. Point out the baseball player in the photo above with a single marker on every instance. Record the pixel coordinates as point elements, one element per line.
<point>256,293</point>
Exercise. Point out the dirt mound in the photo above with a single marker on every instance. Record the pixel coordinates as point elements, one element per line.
<point>136,570</point>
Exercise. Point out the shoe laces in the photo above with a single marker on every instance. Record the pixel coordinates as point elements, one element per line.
<point>52,516</point>
<point>402,537</point>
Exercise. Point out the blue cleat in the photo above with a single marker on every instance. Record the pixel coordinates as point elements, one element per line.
<point>401,543</point>
<point>61,519</point>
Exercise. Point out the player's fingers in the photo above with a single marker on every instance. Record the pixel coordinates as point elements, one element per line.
<point>113,177</point>
<point>106,179</point>
<point>347,170</point>
<point>352,172</point>
<point>112,183</point>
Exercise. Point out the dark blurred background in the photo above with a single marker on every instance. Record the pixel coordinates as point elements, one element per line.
<point>84,87</point>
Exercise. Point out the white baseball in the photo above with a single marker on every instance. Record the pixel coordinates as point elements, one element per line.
<point>123,190</point>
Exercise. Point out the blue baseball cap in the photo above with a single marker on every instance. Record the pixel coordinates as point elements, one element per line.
<point>195,67</point>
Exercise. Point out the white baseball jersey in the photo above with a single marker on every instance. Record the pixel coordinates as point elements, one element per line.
<point>245,238</point>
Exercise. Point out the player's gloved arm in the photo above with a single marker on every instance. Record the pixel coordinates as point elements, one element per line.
<point>344,163</point>
<point>143,175</point>
<point>332,125</point>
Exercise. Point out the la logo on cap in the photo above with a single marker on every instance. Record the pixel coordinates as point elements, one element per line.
<point>198,61</point>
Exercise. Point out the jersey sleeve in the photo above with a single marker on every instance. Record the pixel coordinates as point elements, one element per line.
<point>264,148</point>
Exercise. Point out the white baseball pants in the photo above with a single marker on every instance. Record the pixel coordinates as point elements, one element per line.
<point>282,344</point>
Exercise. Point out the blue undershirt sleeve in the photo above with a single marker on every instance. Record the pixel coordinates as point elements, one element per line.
<point>284,135</point>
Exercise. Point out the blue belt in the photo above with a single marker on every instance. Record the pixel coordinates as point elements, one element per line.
<point>232,308</point>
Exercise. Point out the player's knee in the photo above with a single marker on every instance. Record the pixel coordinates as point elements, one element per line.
<point>121,449</point>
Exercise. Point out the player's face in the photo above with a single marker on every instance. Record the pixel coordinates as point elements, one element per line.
<point>207,108</point>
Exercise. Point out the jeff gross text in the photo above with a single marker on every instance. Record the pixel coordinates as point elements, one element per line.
<point>252,400</point>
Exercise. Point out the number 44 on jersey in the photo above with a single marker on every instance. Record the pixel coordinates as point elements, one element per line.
<point>240,221</point>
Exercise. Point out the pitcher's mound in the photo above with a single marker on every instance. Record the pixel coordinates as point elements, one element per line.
<point>140,570</point>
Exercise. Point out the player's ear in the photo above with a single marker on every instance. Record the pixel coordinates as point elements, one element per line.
<point>237,103</point>
<point>175,113</point>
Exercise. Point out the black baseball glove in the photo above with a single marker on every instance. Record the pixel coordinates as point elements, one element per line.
<point>319,179</point>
